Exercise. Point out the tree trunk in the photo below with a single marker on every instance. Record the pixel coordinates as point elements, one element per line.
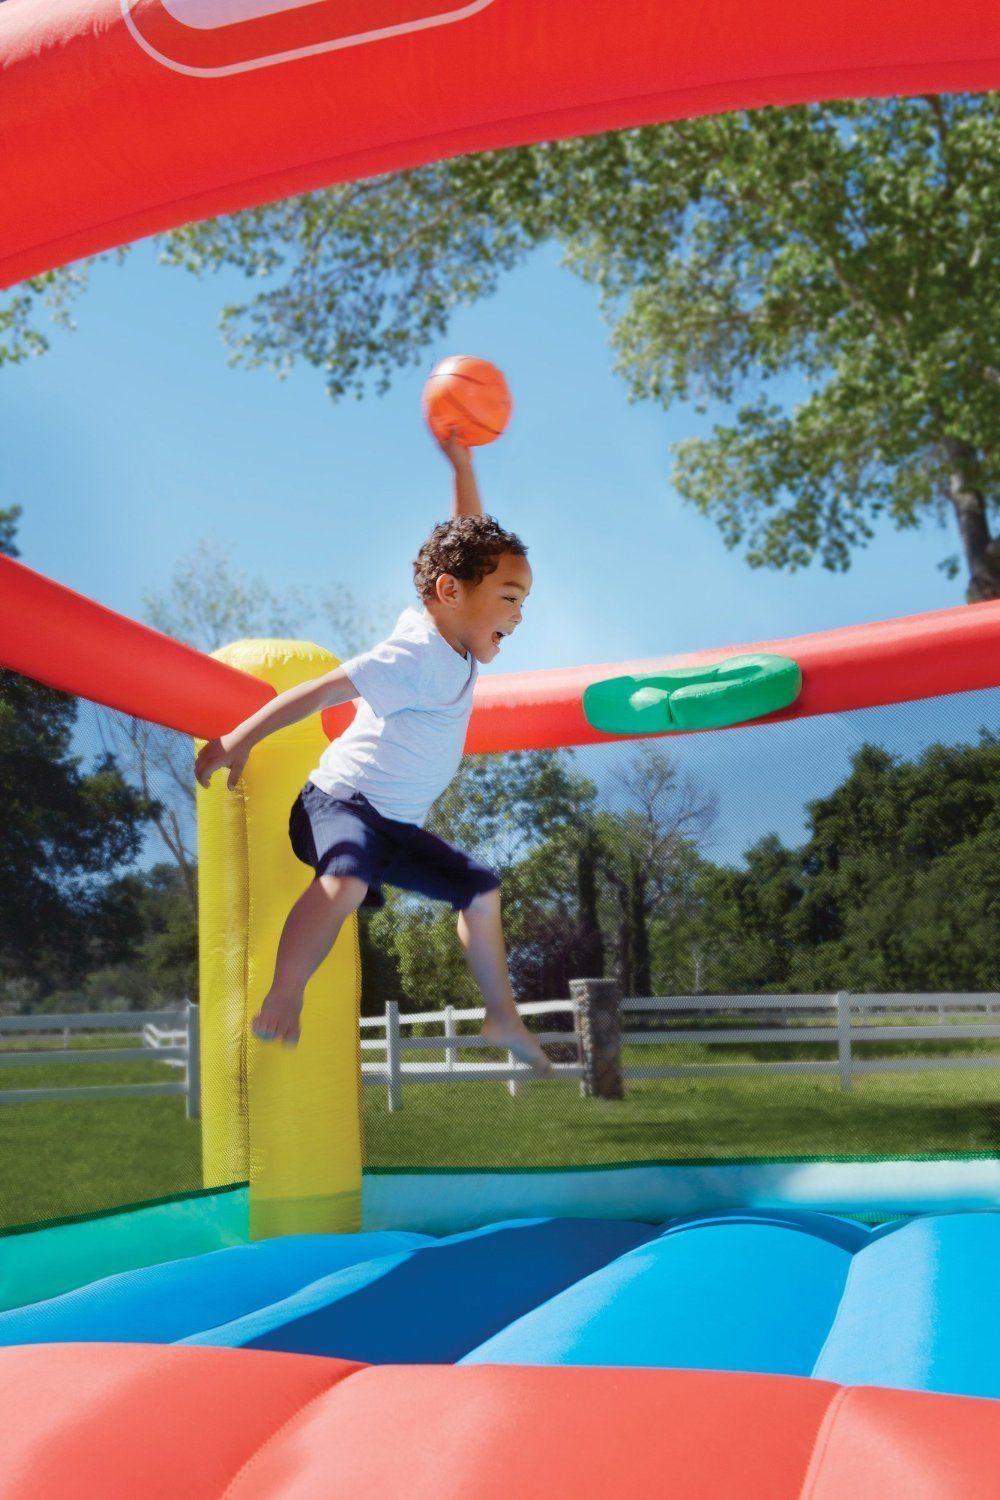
<point>982,552</point>
<point>625,970</point>
<point>641,974</point>
<point>591,947</point>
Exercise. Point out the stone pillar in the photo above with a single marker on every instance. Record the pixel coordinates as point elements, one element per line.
<point>598,1003</point>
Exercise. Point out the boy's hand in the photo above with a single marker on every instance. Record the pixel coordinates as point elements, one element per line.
<point>455,452</point>
<point>214,755</point>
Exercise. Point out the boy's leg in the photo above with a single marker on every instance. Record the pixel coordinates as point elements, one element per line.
<point>480,932</point>
<point>309,933</point>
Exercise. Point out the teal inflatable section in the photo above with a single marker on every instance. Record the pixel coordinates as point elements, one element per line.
<point>40,1262</point>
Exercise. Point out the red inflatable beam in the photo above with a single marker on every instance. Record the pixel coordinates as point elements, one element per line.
<point>125,117</point>
<point>920,656</point>
<point>58,637</point>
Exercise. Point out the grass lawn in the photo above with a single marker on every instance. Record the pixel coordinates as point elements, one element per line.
<point>60,1159</point>
<point>549,1124</point>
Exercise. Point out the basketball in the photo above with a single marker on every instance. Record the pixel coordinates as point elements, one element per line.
<point>469,395</point>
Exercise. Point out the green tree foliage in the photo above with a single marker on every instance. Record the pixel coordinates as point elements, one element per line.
<point>9,518</point>
<point>522,814</point>
<point>848,244</point>
<point>208,605</point>
<point>52,292</point>
<point>644,854</point>
<point>66,917</point>
<point>581,885</point>
<point>895,889</point>
<point>62,832</point>
<point>152,961</point>
<point>166,950</point>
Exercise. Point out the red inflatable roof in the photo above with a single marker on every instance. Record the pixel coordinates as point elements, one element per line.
<point>124,117</point>
<point>161,1421</point>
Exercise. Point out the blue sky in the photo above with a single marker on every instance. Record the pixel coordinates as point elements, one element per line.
<point>133,439</point>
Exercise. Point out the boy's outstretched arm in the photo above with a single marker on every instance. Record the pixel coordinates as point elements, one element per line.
<point>466,501</point>
<point>298,702</point>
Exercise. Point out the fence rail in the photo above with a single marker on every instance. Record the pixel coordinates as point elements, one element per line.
<point>168,1036</point>
<point>844,1031</point>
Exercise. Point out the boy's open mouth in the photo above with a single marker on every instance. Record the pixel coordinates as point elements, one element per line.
<point>497,637</point>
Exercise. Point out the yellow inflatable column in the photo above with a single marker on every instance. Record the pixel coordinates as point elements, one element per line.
<point>286,1120</point>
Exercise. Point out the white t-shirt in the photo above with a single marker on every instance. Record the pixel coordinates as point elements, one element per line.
<point>408,734</point>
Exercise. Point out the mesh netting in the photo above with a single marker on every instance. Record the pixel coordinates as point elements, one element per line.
<point>98,883</point>
<point>854,853</point>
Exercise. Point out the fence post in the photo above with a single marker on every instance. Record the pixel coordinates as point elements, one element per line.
<point>449,1033</point>
<point>193,1062</point>
<point>395,1097</point>
<point>513,1087</point>
<point>844,1039</point>
<point>598,1008</point>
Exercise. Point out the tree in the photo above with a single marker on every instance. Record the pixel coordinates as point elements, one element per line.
<point>8,529</point>
<point>895,888</point>
<point>62,832</point>
<point>847,244</point>
<point>52,290</point>
<point>520,813</point>
<point>645,851</point>
<point>209,604</point>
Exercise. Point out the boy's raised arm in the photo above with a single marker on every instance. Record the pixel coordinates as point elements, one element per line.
<point>467,501</point>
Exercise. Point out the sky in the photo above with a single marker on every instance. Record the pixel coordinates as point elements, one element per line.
<point>133,439</point>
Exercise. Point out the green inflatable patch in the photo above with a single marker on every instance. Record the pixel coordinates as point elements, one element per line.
<point>700,697</point>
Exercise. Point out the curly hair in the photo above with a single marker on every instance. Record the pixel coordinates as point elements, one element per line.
<point>467,547</point>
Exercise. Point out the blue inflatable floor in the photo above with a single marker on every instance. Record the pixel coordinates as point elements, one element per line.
<point>911,1304</point>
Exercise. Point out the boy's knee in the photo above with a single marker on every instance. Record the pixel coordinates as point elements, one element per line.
<point>485,901</point>
<point>344,891</point>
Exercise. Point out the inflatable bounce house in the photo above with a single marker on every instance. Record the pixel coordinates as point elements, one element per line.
<point>302,1325</point>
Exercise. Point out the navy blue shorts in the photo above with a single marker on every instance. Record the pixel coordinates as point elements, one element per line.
<point>347,836</point>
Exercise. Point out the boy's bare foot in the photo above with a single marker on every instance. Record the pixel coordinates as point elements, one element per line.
<point>278,1020</point>
<point>515,1037</point>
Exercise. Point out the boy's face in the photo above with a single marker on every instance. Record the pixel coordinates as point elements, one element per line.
<point>478,617</point>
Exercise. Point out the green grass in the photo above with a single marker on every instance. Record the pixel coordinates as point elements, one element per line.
<point>62,1158</point>
<point>65,1158</point>
<point>549,1124</point>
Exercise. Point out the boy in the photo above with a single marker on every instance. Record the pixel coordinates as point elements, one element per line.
<point>358,820</point>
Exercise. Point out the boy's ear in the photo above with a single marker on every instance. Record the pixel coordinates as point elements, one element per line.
<point>448,588</point>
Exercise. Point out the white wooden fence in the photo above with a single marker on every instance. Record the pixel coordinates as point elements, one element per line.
<point>843,1029</point>
<point>391,1071</point>
<point>169,1036</point>
<point>841,1021</point>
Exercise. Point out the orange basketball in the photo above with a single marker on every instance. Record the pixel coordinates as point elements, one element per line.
<point>469,395</point>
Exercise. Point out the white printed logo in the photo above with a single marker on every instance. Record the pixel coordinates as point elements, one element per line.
<point>209,38</point>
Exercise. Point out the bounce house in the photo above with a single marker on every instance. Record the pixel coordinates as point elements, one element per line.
<point>304,1324</point>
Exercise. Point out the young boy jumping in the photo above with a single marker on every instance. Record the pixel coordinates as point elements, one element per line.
<point>358,820</point>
